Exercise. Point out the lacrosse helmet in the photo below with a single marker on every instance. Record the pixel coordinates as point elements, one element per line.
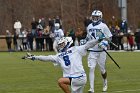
<point>64,43</point>
<point>57,26</point>
<point>97,16</point>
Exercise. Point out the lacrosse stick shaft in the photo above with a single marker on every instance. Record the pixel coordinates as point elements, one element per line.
<point>112,59</point>
<point>111,43</point>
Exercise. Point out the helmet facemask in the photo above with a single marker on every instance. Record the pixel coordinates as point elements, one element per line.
<point>64,43</point>
<point>57,26</point>
<point>61,47</point>
<point>96,16</point>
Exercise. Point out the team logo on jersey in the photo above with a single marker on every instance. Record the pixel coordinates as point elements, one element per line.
<point>95,32</point>
<point>65,53</point>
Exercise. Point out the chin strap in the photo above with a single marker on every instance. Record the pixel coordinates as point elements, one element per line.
<point>96,23</point>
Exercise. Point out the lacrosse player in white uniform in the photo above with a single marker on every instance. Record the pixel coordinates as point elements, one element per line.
<point>70,60</point>
<point>96,54</point>
<point>58,33</point>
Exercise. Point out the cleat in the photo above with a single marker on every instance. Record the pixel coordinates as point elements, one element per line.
<point>105,87</point>
<point>90,91</point>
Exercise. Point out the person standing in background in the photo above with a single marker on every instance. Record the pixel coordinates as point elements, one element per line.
<point>8,40</point>
<point>34,24</point>
<point>30,38</point>
<point>17,27</point>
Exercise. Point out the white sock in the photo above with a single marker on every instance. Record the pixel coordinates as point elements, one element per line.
<point>91,79</point>
<point>105,81</point>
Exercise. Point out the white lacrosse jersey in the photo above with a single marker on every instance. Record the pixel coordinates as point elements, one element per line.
<point>58,34</point>
<point>70,61</point>
<point>93,32</point>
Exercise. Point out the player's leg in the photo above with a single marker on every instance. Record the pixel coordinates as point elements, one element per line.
<point>55,46</point>
<point>101,62</point>
<point>64,84</point>
<point>77,84</point>
<point>92,64</point>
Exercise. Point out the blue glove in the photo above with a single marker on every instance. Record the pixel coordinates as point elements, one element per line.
<point>103,45</point>
<point>33,58</point>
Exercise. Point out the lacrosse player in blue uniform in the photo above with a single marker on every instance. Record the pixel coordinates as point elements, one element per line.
<point>96,54</point>
<point>58,33</point>
<point>70,60</point>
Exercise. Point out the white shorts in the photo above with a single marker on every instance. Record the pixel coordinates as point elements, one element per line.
<point>77,84</point>
<point>97,58</point>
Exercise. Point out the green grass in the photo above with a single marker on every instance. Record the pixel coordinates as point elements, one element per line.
<point>25,76</point>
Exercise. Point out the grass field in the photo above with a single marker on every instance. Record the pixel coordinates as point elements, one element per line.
<point>25,76</point>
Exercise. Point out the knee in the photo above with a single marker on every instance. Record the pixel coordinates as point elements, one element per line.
<point>103,71</point>
<point>92,69</point>
<point>60,81</point>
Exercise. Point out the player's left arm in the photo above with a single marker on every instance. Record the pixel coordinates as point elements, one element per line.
<point>107,33</point>
<point>62,33</point>
<point>108,37</point>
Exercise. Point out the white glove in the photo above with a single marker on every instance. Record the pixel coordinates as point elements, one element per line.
<point>103,44</point>
<point>32,58</point>
<point>29,56</point>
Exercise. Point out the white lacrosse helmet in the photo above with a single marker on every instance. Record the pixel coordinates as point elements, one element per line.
<point>57,25</point>
<point>64,43</point>
<point>97,15</point>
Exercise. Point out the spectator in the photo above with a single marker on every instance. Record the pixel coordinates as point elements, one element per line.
<point>58,20</point>
<point>24,40</point>
<point>30,38</point>
<point>114,38</point>
<point>137,39</point>
<point>39,40</point>
<point>39,26</point>
<point>120,41</point>
<point>34,24</point>
<point>15,41</point>
<point>51,24</point>
<point>79,34</point>
<point>125,42</point>
<point>87,21</point>
<point>131,40</point>
<point>47,38</point>
<point>43,23</point>
<point>8,40</point>
<point>72,34</point>
<point>123,26</point>
<point>17,27</point>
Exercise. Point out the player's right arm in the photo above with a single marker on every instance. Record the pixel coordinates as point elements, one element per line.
<point>52,58</point>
